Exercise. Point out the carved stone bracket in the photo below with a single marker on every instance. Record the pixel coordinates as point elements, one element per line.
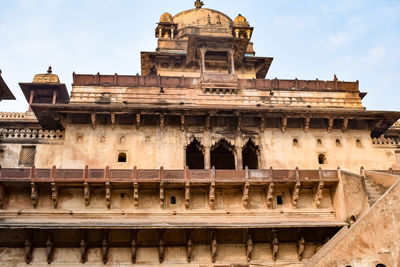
<point>319,194</point>
<point>108,194</point>
<point>86,188</point>
<point>162,121</point>
<point>214,245</point>
<point>134,178</point>
<point>187,195</point>
<point>330,125</point>
<point>161,245</point>
<point>249,247</point>
<point>50,247</point>
<point>136,194</point>
<point>107,185</point>
<point>345,124</point>
<point>295,196</point>
<point>93,120</point>
<point>284,124</point>
<point>162,194</point>
<point>183,123</point>
<point>207,124</point>
<point>262,124</point>
<point>54,194</point>
<point>301,245</point>
<point>189,247</point>
<point>239,123</point>
<point>86,193</point>
<point>270,195</point>
<point>211,199</point>
<point>134,246</point>
<point>307,124</point>
<point>138,123</point>
<point>105,247</point>
<point>54,187</point>
<point>28,246</point>
<point>275,245</point>
<point>245,198</point>
<point>84,246</point>
<point>34,191</point>
<point>112,121</point>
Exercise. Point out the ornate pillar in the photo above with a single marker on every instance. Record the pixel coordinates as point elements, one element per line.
<point>207,158</point>
<point>239,158</point>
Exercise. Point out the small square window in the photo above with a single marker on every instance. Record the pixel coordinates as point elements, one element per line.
<point>27,155</point>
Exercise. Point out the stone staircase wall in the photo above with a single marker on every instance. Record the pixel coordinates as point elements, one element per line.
<point>374,238</point>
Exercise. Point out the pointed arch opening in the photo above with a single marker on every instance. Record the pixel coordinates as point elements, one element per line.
<point>194,155</point>
<point>222,156</point>
<point>250,155</point>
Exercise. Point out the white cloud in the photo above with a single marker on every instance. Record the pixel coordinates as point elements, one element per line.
<point>339,39</point>
<point>377,52</point>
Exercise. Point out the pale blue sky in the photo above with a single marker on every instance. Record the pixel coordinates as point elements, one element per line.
<point>357,40</point>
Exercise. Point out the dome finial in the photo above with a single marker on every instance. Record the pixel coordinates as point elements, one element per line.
<point>49,71</point>
<point>198,4</point>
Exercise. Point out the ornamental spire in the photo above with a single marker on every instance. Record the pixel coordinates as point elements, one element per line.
<point>198,4</point>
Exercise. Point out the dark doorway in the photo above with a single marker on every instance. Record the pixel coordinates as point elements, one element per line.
<point>222,157</point>
<point>249,155</point>
<point>194,155</point>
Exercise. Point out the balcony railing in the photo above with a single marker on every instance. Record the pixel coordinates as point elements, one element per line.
<point>169,176</point>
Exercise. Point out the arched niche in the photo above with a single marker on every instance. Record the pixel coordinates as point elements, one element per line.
<point>194,155</point>
<point>222,156</point>
<point>250,154</point>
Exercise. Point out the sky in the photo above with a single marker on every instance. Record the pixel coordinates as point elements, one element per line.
<point>354,39</point>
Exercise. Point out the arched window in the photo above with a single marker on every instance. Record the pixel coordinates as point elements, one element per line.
<point>222,156</point>
<point>194,155</point>
<point>322,159</point>
<point>380,265</point>
<point>249,155</point>
<point>122,157</point>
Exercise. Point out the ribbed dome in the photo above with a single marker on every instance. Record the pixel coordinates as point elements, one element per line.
<point>166,18</point>
<point>202,17</point>
<point>46,78</point>
<point>241,21</point>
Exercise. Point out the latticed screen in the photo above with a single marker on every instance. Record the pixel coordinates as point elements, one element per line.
<point>27,155</point>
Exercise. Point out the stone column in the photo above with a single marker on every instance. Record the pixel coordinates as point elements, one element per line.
<point>184,157</point>
<point>231,53</point>
<point>259,158</point>
<point>207,158</point>
<point>237,33</point>
<point>238,157</point>
<point>203,59</point>
<point>54,97</point>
